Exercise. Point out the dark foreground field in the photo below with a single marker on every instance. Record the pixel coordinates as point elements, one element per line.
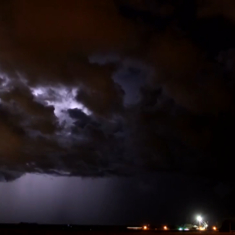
<point>23,231</point>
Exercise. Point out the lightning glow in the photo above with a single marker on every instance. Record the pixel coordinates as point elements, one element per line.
<point>62,99</point>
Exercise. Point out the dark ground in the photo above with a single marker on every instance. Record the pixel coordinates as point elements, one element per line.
<point>63,231</point>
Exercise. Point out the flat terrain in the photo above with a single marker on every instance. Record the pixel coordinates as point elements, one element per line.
<point>63,232</point>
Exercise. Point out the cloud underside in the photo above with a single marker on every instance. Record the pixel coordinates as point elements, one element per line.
<point>96,88</point>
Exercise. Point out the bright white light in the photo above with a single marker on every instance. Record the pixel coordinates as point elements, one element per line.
<point>199,218</point>
<point>180,229</point>
<point>186,229</point>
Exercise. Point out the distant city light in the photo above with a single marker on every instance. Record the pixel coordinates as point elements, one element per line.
<point>145,227</point>
<point>186,229</point>
<point>134,228</point>
<point>165,228</point>
<point>214,228</point>
<point>201,228</point>
<point>180,229</point>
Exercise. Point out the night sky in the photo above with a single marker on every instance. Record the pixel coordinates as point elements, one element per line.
<point>117,111</point>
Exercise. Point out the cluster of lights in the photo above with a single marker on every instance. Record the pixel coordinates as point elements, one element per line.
<point>202,226</point>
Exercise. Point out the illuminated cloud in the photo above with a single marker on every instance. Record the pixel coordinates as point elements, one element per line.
<point>61,98</point>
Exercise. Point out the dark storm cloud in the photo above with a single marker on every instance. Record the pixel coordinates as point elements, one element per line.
<point>9,176</point>
<point>210,8</point>
<point>31,112</point>
<point>193,82</point>
<point>158,95</point>
<point>82,118</point>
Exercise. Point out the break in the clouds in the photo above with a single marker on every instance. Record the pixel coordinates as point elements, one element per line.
<point>97,88</point>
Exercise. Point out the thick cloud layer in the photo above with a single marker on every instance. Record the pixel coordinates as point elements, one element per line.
<point>97,88</point>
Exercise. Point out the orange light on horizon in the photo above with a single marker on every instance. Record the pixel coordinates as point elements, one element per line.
<point>165,228</point>
<point>145,227</point>
<point>214,228</point>
<point>201,228</point>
